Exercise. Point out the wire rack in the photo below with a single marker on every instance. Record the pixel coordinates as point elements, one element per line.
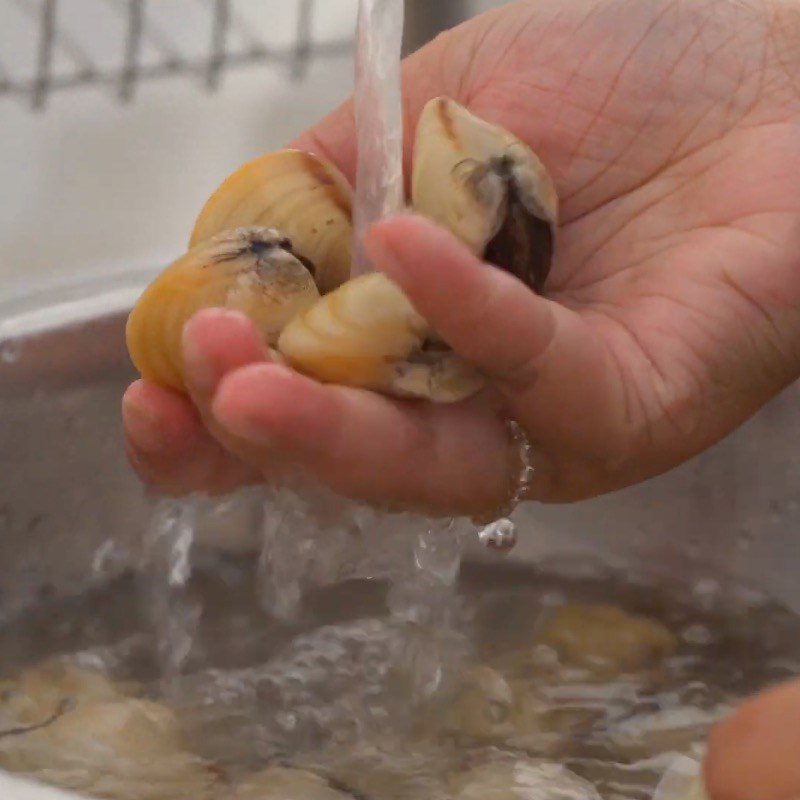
<point>230,42</point>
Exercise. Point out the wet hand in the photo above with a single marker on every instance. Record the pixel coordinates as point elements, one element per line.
<point>671,313</point>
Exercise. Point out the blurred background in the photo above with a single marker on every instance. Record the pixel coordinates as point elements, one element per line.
<point>119,117</point>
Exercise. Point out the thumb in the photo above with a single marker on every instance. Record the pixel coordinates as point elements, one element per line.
<point>545,358</point>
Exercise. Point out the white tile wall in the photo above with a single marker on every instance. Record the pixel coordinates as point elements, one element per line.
<point>89,186</point>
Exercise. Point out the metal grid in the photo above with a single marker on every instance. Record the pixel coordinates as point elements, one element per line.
<point>140,27</point>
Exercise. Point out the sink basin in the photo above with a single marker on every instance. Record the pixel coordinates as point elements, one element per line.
<point>727,519</point>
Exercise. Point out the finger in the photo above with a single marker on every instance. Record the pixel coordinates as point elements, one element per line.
<point>545,357</point>
<point>452,460</point>
<point>215,342</point>
<point>169,447</point>
<point>756,752</point>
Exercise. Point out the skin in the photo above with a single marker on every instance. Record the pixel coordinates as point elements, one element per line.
<point>672,130</point>
<point>672,314</point>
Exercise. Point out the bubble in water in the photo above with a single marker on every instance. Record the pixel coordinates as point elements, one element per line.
<point>9,351</point>
<point>500,535</point>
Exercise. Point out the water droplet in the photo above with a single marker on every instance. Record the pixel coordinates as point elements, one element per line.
<point>500,535</point>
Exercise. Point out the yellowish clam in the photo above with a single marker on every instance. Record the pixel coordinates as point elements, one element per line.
<point>606,639</point>
<point>252,270</point>
<point>491,709</point>
<point>366,333</point>
<point>305,197</point>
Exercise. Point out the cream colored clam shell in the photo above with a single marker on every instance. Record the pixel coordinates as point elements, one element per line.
<point>365,334</point>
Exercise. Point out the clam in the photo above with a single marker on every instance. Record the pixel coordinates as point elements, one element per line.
<point>252,270</point>
<point>288,783</point>
<point>367,334</point>
<point>606,640</point>
<point>491,709</point>
<point>474,178</point>
<point>488,188</point>
<point>520,779</point>
<point>79,730</point>
<point>305,197</point>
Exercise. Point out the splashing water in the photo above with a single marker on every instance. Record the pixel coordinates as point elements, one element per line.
<point>424,601</point>
<point>166,572</point>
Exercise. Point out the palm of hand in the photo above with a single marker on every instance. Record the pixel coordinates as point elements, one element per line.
<point>673,132</point>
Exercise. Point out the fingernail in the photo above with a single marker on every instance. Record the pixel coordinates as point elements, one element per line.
<point>143,427</point>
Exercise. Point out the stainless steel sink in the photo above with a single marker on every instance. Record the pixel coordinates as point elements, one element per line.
<point>729,517</point>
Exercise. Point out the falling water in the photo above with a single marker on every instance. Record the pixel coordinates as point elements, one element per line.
<point>166,572</point>
<point>379,119</point>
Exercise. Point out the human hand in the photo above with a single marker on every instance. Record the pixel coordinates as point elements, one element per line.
<point>755,753</point>
<point>672,312</point>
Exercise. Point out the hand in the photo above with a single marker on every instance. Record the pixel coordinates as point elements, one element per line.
<point>672,313</point>
<point>755,753</point>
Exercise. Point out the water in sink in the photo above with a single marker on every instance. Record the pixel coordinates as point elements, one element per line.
<point>531,682</point>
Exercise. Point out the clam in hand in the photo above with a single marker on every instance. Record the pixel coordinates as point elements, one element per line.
<point>272,237</point>
<point>488,188</point>
<point>274,241</point>
<point>492,192</point>
<point>252,270</point>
